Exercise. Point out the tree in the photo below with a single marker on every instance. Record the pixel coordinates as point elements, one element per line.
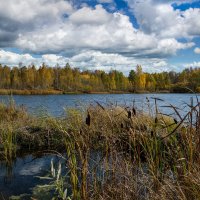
<point>15,78</point>
<point>5,77</point>
<point>140,79</point>
<point>132,79</point>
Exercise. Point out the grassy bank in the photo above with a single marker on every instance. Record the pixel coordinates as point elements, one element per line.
<point>52,91</point>
<point>55,92</point>
<point>142,156</point>
<point>29,92</point>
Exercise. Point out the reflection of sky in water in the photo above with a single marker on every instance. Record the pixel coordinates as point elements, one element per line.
<point>31,169</point>
<point>55,104</point>
<point>22,176</point>
<point>30,165</point>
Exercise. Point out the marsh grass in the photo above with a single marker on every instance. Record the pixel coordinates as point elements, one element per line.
<point>20,131</point>
<point>141,156</point>
<point>8,116</point>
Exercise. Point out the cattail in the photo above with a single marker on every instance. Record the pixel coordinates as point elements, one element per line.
<point>156,120</point>
<point>175,121</point>
<point>134,111</point>
<point>122,125</point>
<point>81,132</point>
<point>88,119</point>
<point>129,114</point>
<point>152,133</point>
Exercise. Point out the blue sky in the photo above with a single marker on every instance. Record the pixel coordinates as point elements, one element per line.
<point>101,34</point>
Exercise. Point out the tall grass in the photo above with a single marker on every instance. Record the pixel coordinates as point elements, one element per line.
<point>142,156</point>
<point>117,153</point>
<point>7,135</point>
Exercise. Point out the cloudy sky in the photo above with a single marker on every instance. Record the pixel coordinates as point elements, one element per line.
<point>161,35</point>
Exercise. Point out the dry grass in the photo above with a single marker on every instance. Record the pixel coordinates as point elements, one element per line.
<point>29,92</point>
<point>140,156</point>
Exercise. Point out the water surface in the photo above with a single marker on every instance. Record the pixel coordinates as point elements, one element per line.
<point>55,104</point>
<point>23,174</point>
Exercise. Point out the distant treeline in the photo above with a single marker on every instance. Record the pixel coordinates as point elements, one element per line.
<point>67,79</point>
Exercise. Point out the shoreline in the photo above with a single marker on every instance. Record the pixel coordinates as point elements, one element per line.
<point>60,92</point>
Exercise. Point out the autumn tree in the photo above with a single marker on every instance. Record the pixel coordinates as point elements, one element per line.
<point>132,79</point>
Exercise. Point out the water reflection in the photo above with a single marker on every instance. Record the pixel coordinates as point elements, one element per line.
<point>20,176</point>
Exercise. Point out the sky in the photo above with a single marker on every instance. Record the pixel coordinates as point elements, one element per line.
<point>160,35</point>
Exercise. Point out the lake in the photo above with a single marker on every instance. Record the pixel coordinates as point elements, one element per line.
<point>55,104</point>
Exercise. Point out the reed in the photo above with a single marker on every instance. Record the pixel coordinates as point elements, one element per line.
<point>8,143</point>
<point>158,157</point>
<point>139,155</point>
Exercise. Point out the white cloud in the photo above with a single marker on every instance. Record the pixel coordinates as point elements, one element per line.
<point>97,29</point>
<point>93,37</point>
<point>37,10</point>
<point>91,60</point>
<point>13,59</point>
<point>159,18</point>
<point>197,50</point>
<point>53,60</point>
<point>87,15</point>
<point>19,17</point>
<point>10,58</point>
<point>169,47</point>
<point>193,65</point>
<point>97,60</point>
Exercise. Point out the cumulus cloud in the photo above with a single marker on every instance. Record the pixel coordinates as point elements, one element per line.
<point>197,50</point>
<point>10,58</point>
<point>97,60</point>
<point>87,15</point>
<point>14,59</point>
<point>193,65</point>
<point>41,28</point>
<point>160,18</point>
<point>22,16</point>
<point>39,10</point>
<point>97,29</point>
<point>53,60</point>
<point>91,60</point>
<point>93,37</point>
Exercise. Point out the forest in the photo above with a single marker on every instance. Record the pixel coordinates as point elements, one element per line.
<point>67,79</point>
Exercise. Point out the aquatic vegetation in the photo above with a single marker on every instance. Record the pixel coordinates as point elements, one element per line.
<point>139,155</point>
<point>153,154</point>
<point>56,189</point>
<point>8,143</point>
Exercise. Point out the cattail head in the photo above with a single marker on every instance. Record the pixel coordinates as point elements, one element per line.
<point>175,121</point>
<point>134,111</point>
<point>88,119</point>
<point>152,133</point>
<point>129,114</point>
